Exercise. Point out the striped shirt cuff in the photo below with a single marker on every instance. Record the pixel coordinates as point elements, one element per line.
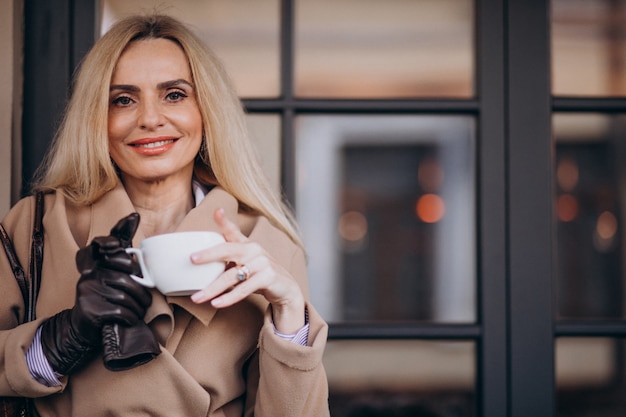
<point>38,364</point>
<point>301,337</point>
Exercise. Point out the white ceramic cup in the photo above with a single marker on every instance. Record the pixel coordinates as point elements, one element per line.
<point>165,262</point>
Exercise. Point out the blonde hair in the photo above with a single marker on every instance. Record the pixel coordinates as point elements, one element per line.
<point>79,165</point>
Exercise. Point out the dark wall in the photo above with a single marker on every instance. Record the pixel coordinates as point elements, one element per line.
<point>54,43</point>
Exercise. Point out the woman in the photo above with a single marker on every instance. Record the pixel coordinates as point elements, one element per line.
<point>154,128</point>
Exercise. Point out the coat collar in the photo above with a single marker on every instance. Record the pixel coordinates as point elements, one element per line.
<point>116,204</point>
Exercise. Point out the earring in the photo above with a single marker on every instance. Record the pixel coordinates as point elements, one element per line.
<point>115,167</point>
<point>203,154</point>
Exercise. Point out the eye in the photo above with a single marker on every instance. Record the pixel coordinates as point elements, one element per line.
<point>122,101</point>
<point>175,96</point>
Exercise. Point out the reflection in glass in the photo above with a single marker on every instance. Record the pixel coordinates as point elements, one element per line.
<point>265,136</point>
<point>384,48</point>
<point>589,208</point>
<point>387,208</point>
<point>243,33</point>
<point>401,378</point>
<point>590,377</point>
<point>589,47</point>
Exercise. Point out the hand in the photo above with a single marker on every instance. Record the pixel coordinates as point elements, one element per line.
<point>265,276</point>
<point>105,293</point>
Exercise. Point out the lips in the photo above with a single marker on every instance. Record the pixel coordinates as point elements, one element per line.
<point>153,146</point>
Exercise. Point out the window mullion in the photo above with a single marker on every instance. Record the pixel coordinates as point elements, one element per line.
<point>492,352</point>
<point>529,199</point>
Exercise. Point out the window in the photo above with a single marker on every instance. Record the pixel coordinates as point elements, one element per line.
<point>385,202</point>
<point>588,44</point>
<point>515,112</point>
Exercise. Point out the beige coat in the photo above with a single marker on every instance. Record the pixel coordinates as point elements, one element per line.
<point>213,363</point>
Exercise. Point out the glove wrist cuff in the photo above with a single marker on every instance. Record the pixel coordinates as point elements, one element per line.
<point>65,350</point>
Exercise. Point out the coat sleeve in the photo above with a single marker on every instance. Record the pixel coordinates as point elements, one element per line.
<point>286,379</point>
<point>15,378</point>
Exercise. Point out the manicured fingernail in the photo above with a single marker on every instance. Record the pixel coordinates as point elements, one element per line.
<point>197,297</point>
<point>216,302</point>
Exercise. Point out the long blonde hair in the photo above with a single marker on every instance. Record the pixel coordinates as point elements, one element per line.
<point>78,163</point>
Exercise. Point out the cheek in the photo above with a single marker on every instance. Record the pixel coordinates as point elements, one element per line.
<point>113,129</point>
<point>190,121</point>
<point>117,127</point>
<point>117,130</point>
<point>188,117</point>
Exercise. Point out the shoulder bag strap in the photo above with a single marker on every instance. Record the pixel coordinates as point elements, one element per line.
<point>18,271</point>
<point>28,287</point>
<point>36,255</point>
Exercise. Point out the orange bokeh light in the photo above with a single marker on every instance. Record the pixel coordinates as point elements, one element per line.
<point>352,226</point>
<point>567,207</point>
<point>606,226</point>
<point>430,208</point>
<point>567,174</point>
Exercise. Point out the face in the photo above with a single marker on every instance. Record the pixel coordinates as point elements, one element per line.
<point>154,123</point>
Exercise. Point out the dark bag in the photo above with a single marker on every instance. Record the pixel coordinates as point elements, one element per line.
<point>29,286</point>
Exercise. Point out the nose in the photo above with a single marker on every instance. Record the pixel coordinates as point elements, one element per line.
<point>150,115</point>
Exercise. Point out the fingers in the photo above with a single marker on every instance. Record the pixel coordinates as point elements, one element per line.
<point>228,282</point>
<point>230,230</point>
<point>239,290</point>
<point>109,250</point>
<point>238,249</point>
<point>125,229</point>
<point>228,288</point>
<point>120,261</point>
<point>112,292</point>
<point>258,273</point>
<point>98,304</point>
<point>128,288</point>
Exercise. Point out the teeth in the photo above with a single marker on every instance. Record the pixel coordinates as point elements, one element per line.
<point>155,144</point>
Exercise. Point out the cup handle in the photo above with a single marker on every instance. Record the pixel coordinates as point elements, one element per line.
<point>147,280</point>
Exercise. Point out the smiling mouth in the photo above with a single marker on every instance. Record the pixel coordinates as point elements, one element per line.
<point>154,144</point>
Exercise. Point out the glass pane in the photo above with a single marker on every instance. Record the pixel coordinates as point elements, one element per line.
<point>591,377</point>
<point>243,33</point>
<point>387,209</point>
<point>589,47</point>
<point>589,207</point>
<point>384,48</point>
<point>265,135</point>
<point>407,378</point>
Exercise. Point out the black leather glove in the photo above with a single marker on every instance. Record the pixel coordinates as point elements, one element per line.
<point>105,293</point>
<point>125,347</point>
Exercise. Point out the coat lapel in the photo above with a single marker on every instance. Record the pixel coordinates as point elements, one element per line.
<point>107,211</point>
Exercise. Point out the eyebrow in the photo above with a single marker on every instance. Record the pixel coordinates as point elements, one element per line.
<point>161,86</point>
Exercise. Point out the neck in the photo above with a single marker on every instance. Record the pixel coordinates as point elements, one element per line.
<point>162,205</point>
